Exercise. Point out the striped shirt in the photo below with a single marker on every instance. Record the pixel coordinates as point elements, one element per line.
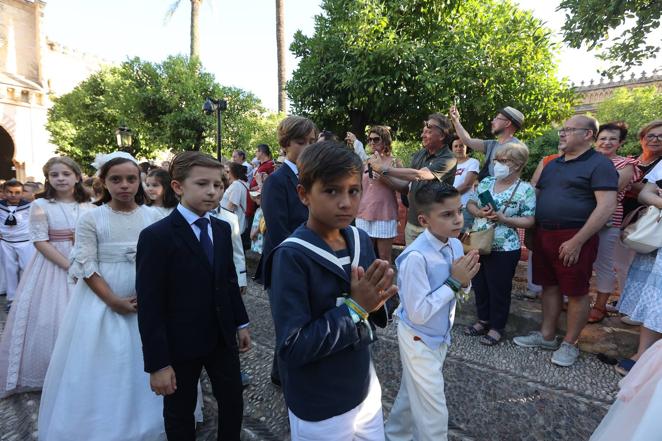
<point>620,163</point>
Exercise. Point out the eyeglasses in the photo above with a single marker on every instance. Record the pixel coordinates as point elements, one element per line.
<point>374,139</point>
<point>501,118</point>
<point>654,137</point>
<point>427,125</point>
<point>565,130</point>
<point>502,160</point>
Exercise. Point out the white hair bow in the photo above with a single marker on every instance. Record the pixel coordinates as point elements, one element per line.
<point>101,159</point>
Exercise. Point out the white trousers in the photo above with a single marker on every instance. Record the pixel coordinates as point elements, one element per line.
<point>363,423</point>
<point>15,259</point>
<point>419,411</point>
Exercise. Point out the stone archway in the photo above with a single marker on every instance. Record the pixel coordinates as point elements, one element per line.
<point>7,149</point>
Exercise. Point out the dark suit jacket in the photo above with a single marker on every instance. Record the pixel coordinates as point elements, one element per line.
<point>283,211</point>
<point>184,305</point>
<point>323,357</point>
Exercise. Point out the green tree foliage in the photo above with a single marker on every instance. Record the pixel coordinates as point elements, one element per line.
<point>590,21</point>
<point>543,145</point>
<point>162,104</point>
<point>637,107</point>
<point>395,61</point>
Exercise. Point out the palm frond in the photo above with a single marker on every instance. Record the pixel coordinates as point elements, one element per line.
<point>171,11</point>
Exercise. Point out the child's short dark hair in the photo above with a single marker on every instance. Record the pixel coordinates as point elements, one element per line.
<point>12,183</point>
<point>169,197</point>
<point>327,161</point>
<point>181,165</point>
<point>433,192</point>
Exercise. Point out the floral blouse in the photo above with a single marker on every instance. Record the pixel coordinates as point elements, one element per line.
<point>523,204</point>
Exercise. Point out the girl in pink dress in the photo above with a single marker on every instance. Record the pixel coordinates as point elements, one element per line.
<point>43,293</point>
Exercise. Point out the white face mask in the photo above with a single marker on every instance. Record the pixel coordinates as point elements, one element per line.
<point>501,170</point>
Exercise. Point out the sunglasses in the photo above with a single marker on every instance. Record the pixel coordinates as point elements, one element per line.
<point>374,139</point>
<point>427,125</point>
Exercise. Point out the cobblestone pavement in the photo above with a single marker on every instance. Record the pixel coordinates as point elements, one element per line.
<point>499,393</point>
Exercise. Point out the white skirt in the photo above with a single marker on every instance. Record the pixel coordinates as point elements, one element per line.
<point>95,388</point>
<point>379,229</point>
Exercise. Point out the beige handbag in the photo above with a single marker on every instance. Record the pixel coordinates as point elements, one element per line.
<point>482,240</point>
<point>645,235</point>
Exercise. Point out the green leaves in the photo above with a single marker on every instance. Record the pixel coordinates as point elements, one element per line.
<point>637,107</point>
<point>395,61</point>
<point>162,104</point>
<point>590,21</point>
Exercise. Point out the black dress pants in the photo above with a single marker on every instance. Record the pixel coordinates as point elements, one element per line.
<point>222,367</point>
<point>493,285</point>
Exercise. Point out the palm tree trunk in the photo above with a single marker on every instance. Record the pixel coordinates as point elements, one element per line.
<point>280,50</point>
<point>195,28</point>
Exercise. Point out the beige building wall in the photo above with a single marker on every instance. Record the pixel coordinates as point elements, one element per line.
<point>32,69</point>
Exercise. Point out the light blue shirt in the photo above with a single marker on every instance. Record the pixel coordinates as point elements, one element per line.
<point>191,217</point>
<point>427,304</point>
<point>292,166</point>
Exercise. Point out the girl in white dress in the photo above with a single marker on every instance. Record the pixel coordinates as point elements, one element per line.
<point>44,292</point>
<point>160,194</point>
<point>95,387</point>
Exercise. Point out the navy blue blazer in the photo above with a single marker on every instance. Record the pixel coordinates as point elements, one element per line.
<point>185,306</point>
<point>323,357</point>
<point>282,209</point>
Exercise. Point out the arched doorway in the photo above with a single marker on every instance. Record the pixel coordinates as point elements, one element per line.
<point>7,169</point>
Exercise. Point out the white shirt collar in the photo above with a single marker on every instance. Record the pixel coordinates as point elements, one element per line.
<point>190,216</point>
<point>292,166</point>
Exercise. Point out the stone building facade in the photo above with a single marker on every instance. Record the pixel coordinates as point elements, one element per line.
<point>594,93</point>
<point>32,69</point>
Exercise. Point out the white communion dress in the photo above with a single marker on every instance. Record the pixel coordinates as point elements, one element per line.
<point>95,387</point>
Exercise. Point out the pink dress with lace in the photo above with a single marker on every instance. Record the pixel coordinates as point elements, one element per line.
<point>41,300</point>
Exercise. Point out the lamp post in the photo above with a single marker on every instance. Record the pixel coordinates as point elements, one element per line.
<point>216,105</point>
<point>124,137</point>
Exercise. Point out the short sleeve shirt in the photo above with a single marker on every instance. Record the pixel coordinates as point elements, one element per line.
<point>492,146</point>
<point>655,175</point>
<point>441,164</point>
<point>523,204</point>
<point>566,188</point>
<point>471,165</point>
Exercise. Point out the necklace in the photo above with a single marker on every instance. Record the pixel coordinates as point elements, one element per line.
<point>71,226</point>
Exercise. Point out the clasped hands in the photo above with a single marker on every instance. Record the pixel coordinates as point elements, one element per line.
<point>371,288</point>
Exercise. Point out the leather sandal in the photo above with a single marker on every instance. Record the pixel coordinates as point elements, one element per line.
<point>597,314</point>
<point>488,340</point>
<point>477,329</point>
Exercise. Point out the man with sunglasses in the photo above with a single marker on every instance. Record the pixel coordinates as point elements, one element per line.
<point>434,161</point>
<point>576,196</point>
<point>504,125</point>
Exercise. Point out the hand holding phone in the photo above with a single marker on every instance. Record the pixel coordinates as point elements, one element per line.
<point>486,199</point>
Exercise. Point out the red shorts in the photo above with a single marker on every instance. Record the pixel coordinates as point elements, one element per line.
<point>548,269</point>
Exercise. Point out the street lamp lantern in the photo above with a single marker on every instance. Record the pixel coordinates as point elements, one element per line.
<point>124,137</point>
<point>210,106</point>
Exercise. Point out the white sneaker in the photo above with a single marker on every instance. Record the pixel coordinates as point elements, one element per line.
<point>531,294</point>
<point>565,355</point>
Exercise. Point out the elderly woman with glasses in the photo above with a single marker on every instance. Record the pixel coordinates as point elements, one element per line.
<point>511,204</point>
<point>378,211</point>
<point>641,299</point>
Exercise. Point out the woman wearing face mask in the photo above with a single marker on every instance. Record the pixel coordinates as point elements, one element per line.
<point>515,208</point>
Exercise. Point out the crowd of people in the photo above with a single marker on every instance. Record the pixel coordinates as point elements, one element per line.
<point>122,286</point>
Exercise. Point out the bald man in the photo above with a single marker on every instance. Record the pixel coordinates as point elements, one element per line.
<point>576,196</point>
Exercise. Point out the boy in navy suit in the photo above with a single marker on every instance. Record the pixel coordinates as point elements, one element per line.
<point>190,311</point>
<point>324,284</point>
<point>282,210</point>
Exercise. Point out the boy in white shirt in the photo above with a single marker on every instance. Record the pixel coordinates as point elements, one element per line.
<point>432,272</point>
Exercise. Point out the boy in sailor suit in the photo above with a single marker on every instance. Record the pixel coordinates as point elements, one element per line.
<point>15,231</point>
<point>324,284</point>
